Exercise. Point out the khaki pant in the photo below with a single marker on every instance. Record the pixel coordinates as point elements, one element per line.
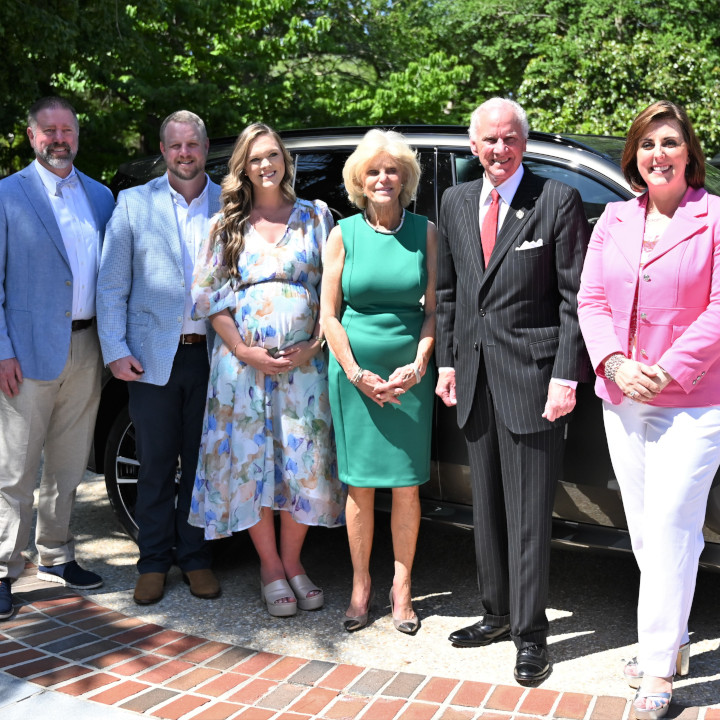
<point>59,417</point>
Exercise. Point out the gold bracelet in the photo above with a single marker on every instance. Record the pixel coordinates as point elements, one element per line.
<point>239,342</point>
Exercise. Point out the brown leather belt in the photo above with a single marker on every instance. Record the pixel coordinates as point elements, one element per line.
<point>82,324</point>
<point>192,339</point>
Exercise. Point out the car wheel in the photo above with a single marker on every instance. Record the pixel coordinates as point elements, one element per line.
<point>121,471</point>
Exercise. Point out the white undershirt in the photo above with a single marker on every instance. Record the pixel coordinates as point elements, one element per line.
<point>193,225</point>
<point>78,229</point>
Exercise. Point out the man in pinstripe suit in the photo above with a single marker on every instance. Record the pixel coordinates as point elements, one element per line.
<point>509,353</point>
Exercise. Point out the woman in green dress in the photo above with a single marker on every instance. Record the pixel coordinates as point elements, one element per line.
<point>378,310</point>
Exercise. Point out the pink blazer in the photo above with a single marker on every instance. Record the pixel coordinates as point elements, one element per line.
<point>678,309</point>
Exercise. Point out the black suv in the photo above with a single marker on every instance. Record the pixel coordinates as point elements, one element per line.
<point>588,509</point>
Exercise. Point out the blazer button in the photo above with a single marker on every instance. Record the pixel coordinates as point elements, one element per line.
<point>644,353</point>
<point>643,316</point>
<point>646,277</point>
<point>68,282</point>
<point>67,314</point>
<point>475,346</point>
<point>482,312</point>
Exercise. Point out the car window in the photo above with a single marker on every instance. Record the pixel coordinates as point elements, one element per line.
<point>595,194</point>
<point>426,201</point>
<point>712,179</point>
<point>318,176</point>
<point>217,170</point>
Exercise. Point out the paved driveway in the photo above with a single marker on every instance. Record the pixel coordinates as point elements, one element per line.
<point>592,608</point>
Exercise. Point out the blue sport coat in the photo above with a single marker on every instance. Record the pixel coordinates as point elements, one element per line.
<point>141,286</point>
<point>35,277</point>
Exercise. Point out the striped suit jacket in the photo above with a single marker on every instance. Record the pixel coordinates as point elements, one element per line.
<point>141,285</point>
<point>518,316</point>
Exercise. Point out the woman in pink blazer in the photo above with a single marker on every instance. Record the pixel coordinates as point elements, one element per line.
<point>649,308</point>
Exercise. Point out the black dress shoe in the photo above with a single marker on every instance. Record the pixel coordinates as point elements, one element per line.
<point>532,665</point>
<point>478,634</point>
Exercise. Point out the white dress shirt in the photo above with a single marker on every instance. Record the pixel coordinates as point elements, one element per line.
<point>193,225</point>
<point>78,229</point>
<point>506,191</point>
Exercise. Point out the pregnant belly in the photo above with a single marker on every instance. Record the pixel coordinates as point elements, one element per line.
<point>275,315</point>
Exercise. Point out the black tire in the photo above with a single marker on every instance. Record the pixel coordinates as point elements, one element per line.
<point>121,471</point>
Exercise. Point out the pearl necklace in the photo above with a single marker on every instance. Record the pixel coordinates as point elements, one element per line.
<point>383,231</point>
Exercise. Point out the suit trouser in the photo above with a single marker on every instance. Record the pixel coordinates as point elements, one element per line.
<point>57,416</point>
<point>664,460</point>
<point>168,423</point>
<point>513,478</point>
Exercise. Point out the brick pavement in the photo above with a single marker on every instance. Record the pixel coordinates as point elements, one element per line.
<point>64,642</point>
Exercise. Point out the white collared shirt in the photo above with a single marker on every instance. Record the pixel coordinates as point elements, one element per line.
<point>506,191</point>
<point>78,229</point>
<point>193,225</point>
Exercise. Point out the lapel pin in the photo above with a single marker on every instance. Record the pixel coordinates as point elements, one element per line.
<point>519,214</point>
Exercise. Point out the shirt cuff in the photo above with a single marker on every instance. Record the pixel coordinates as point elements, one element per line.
<point>569,383</point>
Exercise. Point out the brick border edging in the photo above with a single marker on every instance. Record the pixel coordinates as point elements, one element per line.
<point>63,641</point>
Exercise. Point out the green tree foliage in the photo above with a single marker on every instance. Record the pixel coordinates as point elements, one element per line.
<point>621,56</point>
<point>586,66</point>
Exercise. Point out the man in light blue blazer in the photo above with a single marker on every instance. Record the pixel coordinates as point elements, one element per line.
<point>52,221</point>
<point>149,339</point>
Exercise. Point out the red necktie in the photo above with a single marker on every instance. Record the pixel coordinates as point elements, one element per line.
<point>488,231</point>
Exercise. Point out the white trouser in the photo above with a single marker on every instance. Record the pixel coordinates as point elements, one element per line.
<point>664,460</point>
<point>59,417</point>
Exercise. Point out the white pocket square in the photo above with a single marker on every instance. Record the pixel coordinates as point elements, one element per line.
<point>529,244</point>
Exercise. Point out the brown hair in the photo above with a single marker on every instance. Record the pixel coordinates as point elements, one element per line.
<point>662,110</point>
<point>236,198</point>
<point>51,102</point>
<point>187,117</point>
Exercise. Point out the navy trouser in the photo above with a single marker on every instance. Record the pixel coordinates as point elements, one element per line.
<point>168,423</point>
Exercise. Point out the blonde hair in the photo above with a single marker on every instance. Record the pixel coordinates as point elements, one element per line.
<point>236,198</point>
<point>381,142</point>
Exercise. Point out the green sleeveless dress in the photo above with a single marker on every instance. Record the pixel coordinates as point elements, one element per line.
<point>384,278</point>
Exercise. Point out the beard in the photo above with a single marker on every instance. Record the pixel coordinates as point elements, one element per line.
<point>46,154</point>
<point>184,172</point>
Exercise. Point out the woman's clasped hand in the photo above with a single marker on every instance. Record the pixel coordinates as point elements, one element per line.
<point>641,382</point>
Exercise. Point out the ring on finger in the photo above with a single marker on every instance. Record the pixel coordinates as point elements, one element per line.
<point>632,393</point>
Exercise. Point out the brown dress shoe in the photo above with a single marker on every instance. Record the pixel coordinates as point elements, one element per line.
<point>149,588</point>
<point>203,583</point>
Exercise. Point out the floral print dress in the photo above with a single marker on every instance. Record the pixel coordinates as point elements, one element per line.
<point>267,439</point>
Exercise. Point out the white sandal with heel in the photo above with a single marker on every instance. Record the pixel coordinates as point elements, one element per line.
<point>273,593</point>
<point>659,705</point>
<point>634,675</point>
<point>302,586</point>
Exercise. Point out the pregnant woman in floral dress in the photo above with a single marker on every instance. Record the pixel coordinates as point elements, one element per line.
<point>266,442</point>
